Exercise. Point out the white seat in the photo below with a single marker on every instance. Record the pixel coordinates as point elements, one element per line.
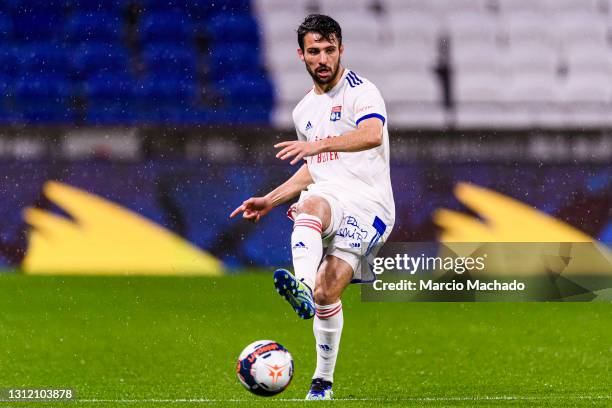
<point>580,28</point>
<point>532,59</point>
<point>479,88</point>
<point>510,6</point>
<point>475,59</point>
<point>416,59</point>
<point>472,28</point>
<point>424,6</point>
<point>409,88</point>
<point>302,7</point>
<point>358,28</point>
<point>291,86</point>
<point>576,6</point>
<point>451,7</point>
<point>589,89</point>
<point>280,25</point>
<point>526,28</point>
<point>414,26</point>
<point>532,89</point>
<point>333,7</point>
<point>591,59</point>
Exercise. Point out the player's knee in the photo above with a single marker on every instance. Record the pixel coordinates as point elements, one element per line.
<point>317,207</point>
<point>324,296</point>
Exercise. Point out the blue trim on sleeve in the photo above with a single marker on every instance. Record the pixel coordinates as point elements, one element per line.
<point>371,115</point>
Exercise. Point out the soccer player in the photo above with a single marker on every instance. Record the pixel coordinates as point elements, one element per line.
<point>345,199</point>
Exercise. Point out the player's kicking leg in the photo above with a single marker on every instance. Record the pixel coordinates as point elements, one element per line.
<point>311,219</point>
<point>333,277</point>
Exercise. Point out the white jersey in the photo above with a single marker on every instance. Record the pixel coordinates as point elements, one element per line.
<point>361,178</point>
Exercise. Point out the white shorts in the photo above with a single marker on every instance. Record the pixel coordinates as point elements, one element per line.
<point>355,233</point>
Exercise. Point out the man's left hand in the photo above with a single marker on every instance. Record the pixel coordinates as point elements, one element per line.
<point>297,148</point>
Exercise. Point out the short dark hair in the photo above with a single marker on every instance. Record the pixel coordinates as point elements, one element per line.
<point>320,24</point>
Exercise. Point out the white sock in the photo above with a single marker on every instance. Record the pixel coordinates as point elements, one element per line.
<point>327,329</point>
<point>306,248</point>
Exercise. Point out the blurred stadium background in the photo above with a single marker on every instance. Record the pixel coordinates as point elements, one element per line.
<point>170,109</point>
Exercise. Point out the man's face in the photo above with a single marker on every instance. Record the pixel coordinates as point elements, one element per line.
<point>322,57</point>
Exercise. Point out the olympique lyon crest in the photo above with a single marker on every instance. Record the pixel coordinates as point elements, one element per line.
<point>335,113</point>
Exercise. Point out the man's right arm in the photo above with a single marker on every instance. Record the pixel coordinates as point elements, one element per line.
<point>256,207</point>
<point>292,187</point>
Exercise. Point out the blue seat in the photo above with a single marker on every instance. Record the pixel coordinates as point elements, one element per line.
<point>95,26</point>
<point>170,60</point>
<point>203,9</point>
<point>174,26</point>
<point>232,28</point>
<point>7,60</point>
<point>97,5</point>
<point>95,58</point>
<point>165,5</point>
<point>42,59</point>
<point>247,89</point>
<point>111,113</point>
<point>44,99</point>
<point>175,91</point>
<point>107,87</point>
<point>37,26</point>
<point>229,61</point>
<point>6,27</point>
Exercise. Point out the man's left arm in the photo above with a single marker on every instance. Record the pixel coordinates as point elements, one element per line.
<point>368,135</point>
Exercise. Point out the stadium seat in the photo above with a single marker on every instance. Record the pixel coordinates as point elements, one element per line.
<point>358,28</point>
<point>170,60</point>
<point>112,6</point>
<point>172,26</point>
<point>476,58</point>
<point>94,58</point>
<point>95,26</point>
<point>108,87</point>
<point>586,89</point>
<point>44,99</point>
<point>581,29</point>
<point>510,6</point>
<point>415,26</point>
<point>231,28</point>
<point>588,59</point>
<point>577,6</point>
<point>226,61</point>
<point>409,88</point>
<point>526,28</point>
<point>36,26</point>
<point>6,28</point>
<point>529,59</point>
<point>339,7</point>
<point>473,28</point>
<point>292,86</point>
<point>425,6</point>
<point>532,88</point>
<point>296,7</point>
<point>7,60</point>
<point>42,58</point>
<point>247,90</point>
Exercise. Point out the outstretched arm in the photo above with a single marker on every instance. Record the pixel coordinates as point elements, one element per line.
<point>256,207</point>
<point>367,136</point>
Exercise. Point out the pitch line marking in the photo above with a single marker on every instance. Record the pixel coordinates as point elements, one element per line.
<point>408,399</point>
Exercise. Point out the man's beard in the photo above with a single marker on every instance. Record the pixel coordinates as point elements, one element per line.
<point>329,79</point>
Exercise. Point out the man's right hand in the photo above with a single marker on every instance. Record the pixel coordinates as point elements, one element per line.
<point>254,208</point>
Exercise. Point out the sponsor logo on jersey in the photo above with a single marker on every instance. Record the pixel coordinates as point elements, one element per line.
<point>308,126</point>
<point>300,245</point>
<point>336,113</point>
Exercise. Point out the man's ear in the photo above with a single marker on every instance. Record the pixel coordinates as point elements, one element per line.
<point>341,48</point>
<point>300,53</point>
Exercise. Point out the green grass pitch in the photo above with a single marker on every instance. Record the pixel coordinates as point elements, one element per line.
<point>174,342</point>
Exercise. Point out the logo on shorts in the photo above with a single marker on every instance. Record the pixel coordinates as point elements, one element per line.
<point>336,112</point>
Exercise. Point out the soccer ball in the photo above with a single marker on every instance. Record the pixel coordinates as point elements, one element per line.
<point>265,368</point>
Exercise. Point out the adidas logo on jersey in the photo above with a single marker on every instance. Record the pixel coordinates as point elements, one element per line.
<point>308,126</point>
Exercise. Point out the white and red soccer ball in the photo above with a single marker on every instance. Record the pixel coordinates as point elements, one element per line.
<point>265,368</point>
